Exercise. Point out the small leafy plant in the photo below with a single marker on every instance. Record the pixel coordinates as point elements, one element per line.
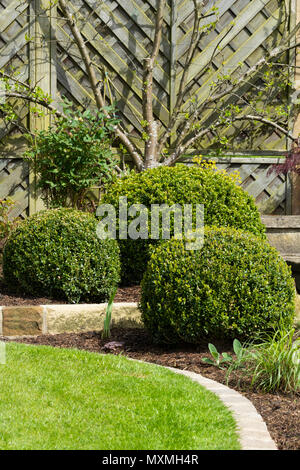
<point>73,155</point>
<point>224,358</point>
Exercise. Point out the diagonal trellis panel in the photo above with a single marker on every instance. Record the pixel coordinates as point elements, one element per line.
<point>270,191</point>
<point>14,182</point>
<point>119,35</point>
<point>14,55</point>
<point>245,31</point>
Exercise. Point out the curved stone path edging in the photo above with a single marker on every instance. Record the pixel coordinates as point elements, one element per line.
<point>252,429</point>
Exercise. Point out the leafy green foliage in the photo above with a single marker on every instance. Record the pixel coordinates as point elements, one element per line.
<point>73,155</point>
<point>224,202</point>
<point>218,359</point>
<point>236,286</point>
<point>57,253</point>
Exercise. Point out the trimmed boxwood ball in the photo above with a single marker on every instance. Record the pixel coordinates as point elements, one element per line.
<point>225,204</point>
<point>57,253</point>
<point>235,286</point>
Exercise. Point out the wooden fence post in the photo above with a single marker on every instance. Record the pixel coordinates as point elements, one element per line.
<point>295,7</point>
<point>43,74</point>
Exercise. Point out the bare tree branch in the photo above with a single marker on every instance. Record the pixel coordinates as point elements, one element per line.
<point>247,75</point>
<point>33,99</point>
<point>135,154</point>
<point>275,125</point>
<point>151,125</point>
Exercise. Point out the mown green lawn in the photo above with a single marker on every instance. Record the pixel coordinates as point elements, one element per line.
<point>54,398</point>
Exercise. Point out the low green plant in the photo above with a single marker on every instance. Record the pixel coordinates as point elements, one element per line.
<point>107,321</point>
<point>271,365</point>
<point>57,253</point>
<point>73,155</point>
<point>226,359</point>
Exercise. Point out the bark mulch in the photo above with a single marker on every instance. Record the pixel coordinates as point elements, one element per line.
<point>10,297</point>
<point>280,412</point>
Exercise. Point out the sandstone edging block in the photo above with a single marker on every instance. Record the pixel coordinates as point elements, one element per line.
<point>65,318</point>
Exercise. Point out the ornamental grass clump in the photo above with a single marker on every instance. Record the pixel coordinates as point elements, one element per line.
<point>57,253</point>
<point>225,204</point>
<point>272,364</point>
<point>235,286</point>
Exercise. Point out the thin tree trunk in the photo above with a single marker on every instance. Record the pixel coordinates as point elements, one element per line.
<point>151,125</point>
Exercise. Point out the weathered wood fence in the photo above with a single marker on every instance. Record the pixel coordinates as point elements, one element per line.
<point>36,41</point>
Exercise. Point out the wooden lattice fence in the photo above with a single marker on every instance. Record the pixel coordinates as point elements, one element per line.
<point>272,192</point>
<point>37,42</point>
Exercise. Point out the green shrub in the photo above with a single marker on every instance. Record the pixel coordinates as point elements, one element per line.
<point>57,253</point>
<point>237,285</point>
<point>72,156</point>
<point>224,202</point>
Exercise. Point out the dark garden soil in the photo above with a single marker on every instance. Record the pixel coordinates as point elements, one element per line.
<point>9,296</point>
<point>280,412</point>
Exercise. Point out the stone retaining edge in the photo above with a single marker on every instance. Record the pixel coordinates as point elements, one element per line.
<point>64,318</point>
<point>72,318</point>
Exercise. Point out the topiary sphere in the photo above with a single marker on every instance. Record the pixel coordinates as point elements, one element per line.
<point>225,204</point>
<point>57,253</point>
<point>236,285</point>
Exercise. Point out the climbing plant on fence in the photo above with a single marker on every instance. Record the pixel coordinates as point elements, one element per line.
<point>182,74</point>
